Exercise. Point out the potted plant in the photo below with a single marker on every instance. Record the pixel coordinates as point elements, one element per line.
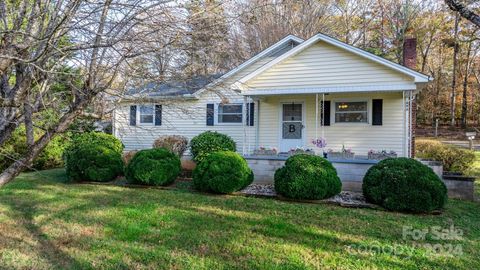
<point>379,155</point>
<point>265,151</point>
<point>345,153</point>
<point>320,143</point>
<point>301,150</point>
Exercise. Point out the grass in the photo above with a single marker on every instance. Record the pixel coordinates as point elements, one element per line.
<point>47,224</point>
<point>474,170</point>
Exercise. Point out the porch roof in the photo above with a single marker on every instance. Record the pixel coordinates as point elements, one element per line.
<point>332,89</point>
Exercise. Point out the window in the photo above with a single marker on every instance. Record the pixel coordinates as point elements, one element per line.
<point>147,113</point>
<point>351,112</point>
<point>230,113</point>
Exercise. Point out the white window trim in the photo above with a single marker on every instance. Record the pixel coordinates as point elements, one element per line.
<point>138,115</point>
<point>334,106</point>
<point>227,124</point>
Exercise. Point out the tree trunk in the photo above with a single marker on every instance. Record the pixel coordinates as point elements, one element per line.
<point>465,84</point>
<point>454,76</point>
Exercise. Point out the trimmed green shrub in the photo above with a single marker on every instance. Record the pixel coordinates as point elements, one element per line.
<point>404,184</point>
<point>454,159</point>
<point>158,167</point>
<point>208,142</point>
<point>94,156</point>
<point>307,177</point>
<point>100,139</point>
<point>174,143</point>
<point>222,172</point>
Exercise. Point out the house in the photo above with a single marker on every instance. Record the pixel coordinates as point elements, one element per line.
<point>285,97</point>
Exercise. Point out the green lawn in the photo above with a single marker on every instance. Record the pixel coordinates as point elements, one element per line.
<point>47,224</point>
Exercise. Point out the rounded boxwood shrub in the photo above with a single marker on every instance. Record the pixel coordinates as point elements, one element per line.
<point>404,184</point>
<point>208,142</point>
<point>94,156</point>
<point>158,167</point>
<point>222,172</point>
<point>307,177</point>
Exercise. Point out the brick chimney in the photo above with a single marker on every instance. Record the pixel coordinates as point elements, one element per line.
<point>410,53</point>
<point>410,61</point>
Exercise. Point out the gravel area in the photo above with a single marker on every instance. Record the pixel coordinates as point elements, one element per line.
<point>261,190</point>
<point>344,198</point>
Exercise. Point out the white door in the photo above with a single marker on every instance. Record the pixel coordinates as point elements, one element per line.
<point>292,126</point>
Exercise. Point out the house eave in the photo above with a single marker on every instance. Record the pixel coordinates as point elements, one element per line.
<point>139,98</point>
<point>335,89</point>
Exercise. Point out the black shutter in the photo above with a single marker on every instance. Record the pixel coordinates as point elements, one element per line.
<point>210,114</point>
<point>133,115</point>
<point>377,108</point>
<point>326,113</point>
<point>251,114</point>
<point>158,115</point>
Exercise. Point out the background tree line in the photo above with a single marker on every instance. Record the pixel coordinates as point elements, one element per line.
<point>218,35</point>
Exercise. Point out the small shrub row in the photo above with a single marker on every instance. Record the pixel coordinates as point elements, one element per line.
<point>398,184</point>
<point>454,159</point>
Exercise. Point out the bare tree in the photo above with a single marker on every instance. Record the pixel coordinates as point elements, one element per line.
<point>40,37</point>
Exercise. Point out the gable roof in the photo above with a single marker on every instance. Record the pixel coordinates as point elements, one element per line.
<point>272,50</point>
<point>418,77</point>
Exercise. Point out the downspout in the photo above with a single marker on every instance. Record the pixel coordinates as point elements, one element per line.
<point>404,125</point>
<point>410,126</point>
<point>316,116</point>
<point>323,120</point>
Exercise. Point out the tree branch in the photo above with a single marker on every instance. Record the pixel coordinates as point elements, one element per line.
<point>466,13</point>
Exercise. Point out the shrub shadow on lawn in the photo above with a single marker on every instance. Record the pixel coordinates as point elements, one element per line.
<point>158,228</point>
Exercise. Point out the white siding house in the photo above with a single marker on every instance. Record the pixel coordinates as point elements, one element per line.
<point>296,91</point>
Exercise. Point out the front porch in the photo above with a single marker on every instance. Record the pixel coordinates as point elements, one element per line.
<point>354,124</point>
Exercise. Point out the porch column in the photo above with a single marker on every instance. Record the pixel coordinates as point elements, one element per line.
<point>257,125</point>
<point>244,124</point>
<point>316,116</point>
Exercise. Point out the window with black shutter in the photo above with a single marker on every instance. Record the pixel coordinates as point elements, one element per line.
<point>377,112</point>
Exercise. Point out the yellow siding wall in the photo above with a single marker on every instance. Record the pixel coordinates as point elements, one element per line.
<point>324,65</point>
<point>357,136</point>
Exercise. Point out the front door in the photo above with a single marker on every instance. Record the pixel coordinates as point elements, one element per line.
<point>292,126</point>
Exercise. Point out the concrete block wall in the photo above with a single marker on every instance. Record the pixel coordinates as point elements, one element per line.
<point>351,174</point>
